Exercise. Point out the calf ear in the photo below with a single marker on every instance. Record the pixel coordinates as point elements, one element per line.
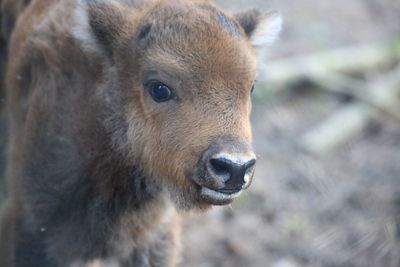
<point>262,29</point>
<point>99,24</point>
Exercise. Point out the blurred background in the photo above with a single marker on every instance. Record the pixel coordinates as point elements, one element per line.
<point>326,122</point>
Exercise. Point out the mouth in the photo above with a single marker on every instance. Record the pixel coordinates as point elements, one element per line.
<point>217,197</point>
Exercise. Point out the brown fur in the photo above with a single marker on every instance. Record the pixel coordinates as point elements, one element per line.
<point>95,166</point>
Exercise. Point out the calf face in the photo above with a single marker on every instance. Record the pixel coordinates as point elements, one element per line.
<point>181,72</point>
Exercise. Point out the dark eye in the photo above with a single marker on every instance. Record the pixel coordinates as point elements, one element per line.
<point>160,92</point>
<point>252,88</point>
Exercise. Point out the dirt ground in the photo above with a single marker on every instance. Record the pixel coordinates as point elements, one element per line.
<point>342,209</point>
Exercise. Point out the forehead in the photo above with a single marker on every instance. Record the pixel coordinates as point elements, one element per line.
<point>200,39</point>
<point>193,13</point>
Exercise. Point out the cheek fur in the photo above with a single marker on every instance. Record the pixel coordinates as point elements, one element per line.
<point>160,156</point>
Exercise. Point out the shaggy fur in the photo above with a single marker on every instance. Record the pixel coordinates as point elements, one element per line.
<point>97,168</point>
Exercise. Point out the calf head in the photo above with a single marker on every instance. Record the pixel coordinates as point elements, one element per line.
<point>180,75</point>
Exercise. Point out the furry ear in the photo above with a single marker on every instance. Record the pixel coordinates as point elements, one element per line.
<point>262,29</point>
<point>99,23</point>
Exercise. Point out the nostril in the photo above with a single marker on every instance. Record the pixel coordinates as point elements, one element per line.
<point>221,168</point>
<point>250,164</point>
<point>231,174</point>
<point>220,165</point>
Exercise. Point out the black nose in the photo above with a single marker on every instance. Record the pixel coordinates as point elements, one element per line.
<point>232,172</point>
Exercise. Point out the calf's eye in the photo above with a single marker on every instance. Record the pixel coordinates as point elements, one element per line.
<point>160,92</point>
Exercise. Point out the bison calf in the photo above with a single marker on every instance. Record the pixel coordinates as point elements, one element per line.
<point>121,113</point>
